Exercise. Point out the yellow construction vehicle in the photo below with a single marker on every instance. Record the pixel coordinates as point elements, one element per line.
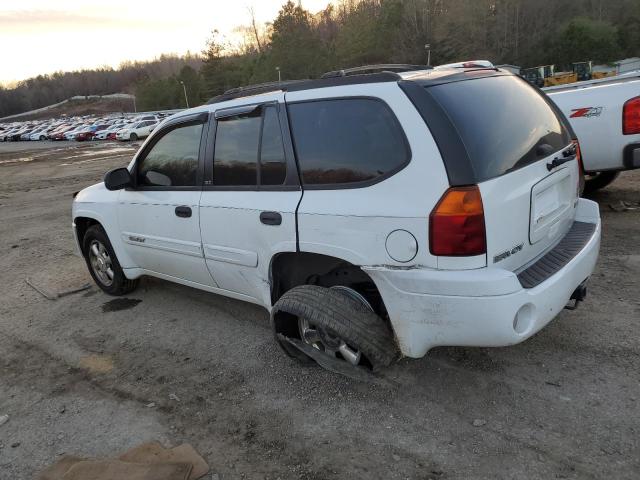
<point>561,78</point>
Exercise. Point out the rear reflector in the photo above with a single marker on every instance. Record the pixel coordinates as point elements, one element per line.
<point>456,224</point>
<point>631,117</point>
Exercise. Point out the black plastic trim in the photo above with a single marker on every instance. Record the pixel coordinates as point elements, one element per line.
<point>558,257</point>
<point>628,154</point>
<point>452,149</point>
<point>239,110</point>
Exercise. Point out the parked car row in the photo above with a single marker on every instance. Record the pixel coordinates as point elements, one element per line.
<point>121,127</point>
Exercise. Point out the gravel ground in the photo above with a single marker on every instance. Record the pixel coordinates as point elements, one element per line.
<point>90,375</point>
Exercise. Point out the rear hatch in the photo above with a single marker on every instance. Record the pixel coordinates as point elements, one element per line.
<point>521,154</point>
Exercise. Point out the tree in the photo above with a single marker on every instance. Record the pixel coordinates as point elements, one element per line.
<point>584,39</point>
<point>295,47</point>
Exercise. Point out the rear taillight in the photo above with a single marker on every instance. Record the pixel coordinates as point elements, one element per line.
<point>631,117</point>
<point>456,224</point>
<point>580,167</point>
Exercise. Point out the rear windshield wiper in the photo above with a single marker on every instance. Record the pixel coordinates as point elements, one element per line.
<point>568,155</point>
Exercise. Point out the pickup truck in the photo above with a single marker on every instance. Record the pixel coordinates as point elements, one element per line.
<point>605,115</point>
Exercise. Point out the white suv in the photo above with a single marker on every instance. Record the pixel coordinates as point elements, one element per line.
<point>136,130</point>
<point>372,215</point>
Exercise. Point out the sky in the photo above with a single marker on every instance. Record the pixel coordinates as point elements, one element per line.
<point>45,36</point>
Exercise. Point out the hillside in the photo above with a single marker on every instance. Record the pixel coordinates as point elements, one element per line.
<point>78,106</point>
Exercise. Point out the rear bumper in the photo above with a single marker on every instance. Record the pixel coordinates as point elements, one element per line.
<point>486,307</point>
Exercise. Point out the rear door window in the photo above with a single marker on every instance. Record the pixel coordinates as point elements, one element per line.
<point>249,150</point>
<point>346,141</point>
<point>504,123</point>
<point>235,161</point>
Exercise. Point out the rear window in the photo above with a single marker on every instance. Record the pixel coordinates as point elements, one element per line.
<point>504,123</point>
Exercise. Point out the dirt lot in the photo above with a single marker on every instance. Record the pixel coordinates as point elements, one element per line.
<point>79,374</point>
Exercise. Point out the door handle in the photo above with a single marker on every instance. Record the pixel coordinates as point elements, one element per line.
<point>183,211</point>
<point>271,218</point>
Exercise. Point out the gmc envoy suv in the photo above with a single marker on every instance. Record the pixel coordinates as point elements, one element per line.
<point>375,212</point>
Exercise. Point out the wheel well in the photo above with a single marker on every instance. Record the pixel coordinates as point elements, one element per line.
<point>291,269</point>
<point>82,225</point>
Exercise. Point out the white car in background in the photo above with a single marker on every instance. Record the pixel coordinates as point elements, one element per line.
<point>103,134</point>
<point>136,130</point>
<point>142,118</point>
<point>40,134</point>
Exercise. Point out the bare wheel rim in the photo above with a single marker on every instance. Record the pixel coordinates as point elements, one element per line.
<point>326,340</point>
<point>101,263</point>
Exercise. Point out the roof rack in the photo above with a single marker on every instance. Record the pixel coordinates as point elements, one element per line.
<point>267,86</point>
<point>297,85</point>
<point>383,67</point>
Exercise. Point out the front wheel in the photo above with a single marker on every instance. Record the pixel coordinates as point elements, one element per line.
<point>103,263</point>
<point>596,181</point>
<point>133,137</point>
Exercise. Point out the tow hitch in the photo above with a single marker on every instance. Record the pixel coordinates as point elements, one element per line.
<point>578,295</point>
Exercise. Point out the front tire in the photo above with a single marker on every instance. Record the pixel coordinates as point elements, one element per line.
<point>335,323</point>
<point>133,137</point>
<point>103,263</point>
<point>599,180</point>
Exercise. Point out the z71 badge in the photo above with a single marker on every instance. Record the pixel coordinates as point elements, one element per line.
<point>508,253</point>
<point>586,112</point>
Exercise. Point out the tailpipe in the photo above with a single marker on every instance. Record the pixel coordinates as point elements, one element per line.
<point>578,295</point>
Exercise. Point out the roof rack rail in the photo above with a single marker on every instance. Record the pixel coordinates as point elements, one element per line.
<point>267,86</point>
<point>256,89</point>
<point>383,67</point>
<point>297,85</point>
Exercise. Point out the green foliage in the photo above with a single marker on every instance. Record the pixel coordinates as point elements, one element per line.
<point>584,39</point>
<point>358,32</point>
<point>168,93</point>
<point>45,90</point>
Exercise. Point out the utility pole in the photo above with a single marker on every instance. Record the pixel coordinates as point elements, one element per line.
<point>427,47</point>
<point>279,76</point>
<point>135,110</point>
<point>184,87</point>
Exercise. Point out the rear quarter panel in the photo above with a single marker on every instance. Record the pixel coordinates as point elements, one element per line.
<point>354,223</point>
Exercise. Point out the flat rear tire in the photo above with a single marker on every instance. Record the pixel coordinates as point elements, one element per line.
<point>335,323</point>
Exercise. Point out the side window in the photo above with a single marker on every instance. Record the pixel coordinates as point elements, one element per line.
<point>244,139</point>
<point>173,160</point>
<point>273,167</point>
<point>235,160</point>
<point>346,141</point>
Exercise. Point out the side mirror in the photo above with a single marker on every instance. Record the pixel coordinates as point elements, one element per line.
<point>117,179</point>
